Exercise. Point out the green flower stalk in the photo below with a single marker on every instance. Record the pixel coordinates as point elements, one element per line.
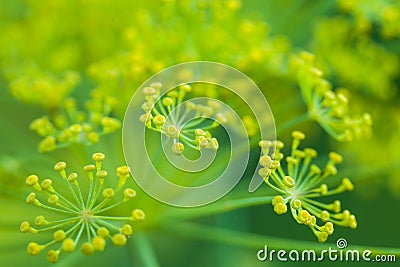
<point>301,183</point>
<point>329,108</point>
<point>71,125</point>
<point>83,216</point>
<point>195,133</point>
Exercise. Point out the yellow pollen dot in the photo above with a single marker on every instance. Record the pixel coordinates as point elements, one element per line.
<point>288,181</point>
<point>59,235</point>
<point>68,245</point>
<point>103,232</point>
<point>98,157</point>
<point>60,166</point>
<point>126,229</point>
<point>34,248</point>
<point>119,240</point>
<point>52,256</point>
<point>99,243</point>
<point>32,180</point>
<point>87,249</point>
<point>137,215</point>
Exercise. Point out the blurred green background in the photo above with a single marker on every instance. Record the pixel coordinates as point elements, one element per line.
<point>114,46</point>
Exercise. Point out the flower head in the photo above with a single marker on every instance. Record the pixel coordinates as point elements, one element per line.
<point>70,125</point>
<point>84,224</point>
<point>302,183</point>
<point>38,87</point>
<point>329,108</point>
<point>196,132</point>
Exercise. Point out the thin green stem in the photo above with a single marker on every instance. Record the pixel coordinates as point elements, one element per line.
<point>294,122</point>
<point>89,198</point>
<point>80,232</point>
<point>109,207</point>
<point>108,224</point>
<point>145,250</point>
<point>220,207</point>
<point>87,231</point>
<point>55,209</point>
<point>58,225</point>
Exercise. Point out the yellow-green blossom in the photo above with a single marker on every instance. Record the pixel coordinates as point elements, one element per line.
<point>385,14</point>
<point>196,132</point>
<point>71,125</point>
<point>84,224</point>
<point>330,108</point>
<point>301,183</point>
<point>35,86</point>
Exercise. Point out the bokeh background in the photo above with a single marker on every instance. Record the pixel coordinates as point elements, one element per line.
<point>114,46</point>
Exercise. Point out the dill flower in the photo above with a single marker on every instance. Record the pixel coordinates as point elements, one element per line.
<point>71,125</point>
<point>196,132</point>
<point>83,224</point>
<point>328,107</point>
<point>35,86</point>
<point>124,70</point>
<point>350,54</point>
<point>301,183</point>
<point>385,14</point>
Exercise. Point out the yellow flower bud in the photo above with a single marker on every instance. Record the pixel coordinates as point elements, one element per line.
<point>178,148</point>
<point>99,243</point>
<point>347,184</point>
<point>298,135</point>
<point>280,208</point>
<point>52,255</point>
<point>108,193</point>
<point>68,245</point>
<point>34,248</point>
<point>126,229</point>
<point>53,199</point>
<point>87,249</point>
<point>59,235</point>
<point>137,215</point>
<point>98,157</point>
<point>296,204</point>
<point>288,181</point>
<point>46,184</point>
<point>335,157</point>
<point>265,161</point>
<point>25,227</point>
<point>159,120</point>
<point>119,240</point>
<point>103,232</point>
<point>123,170</point>
<point>60,166</point>
<point>89,168</point>
<point>40,220</point>
<point>264,172</point>
<point>31,180</point>
<point>325,215</point>
<point>101,174</point>
<point>129,193</point>
<point>72,177</point>
<point>167,101</point>
<point>30,198</point>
